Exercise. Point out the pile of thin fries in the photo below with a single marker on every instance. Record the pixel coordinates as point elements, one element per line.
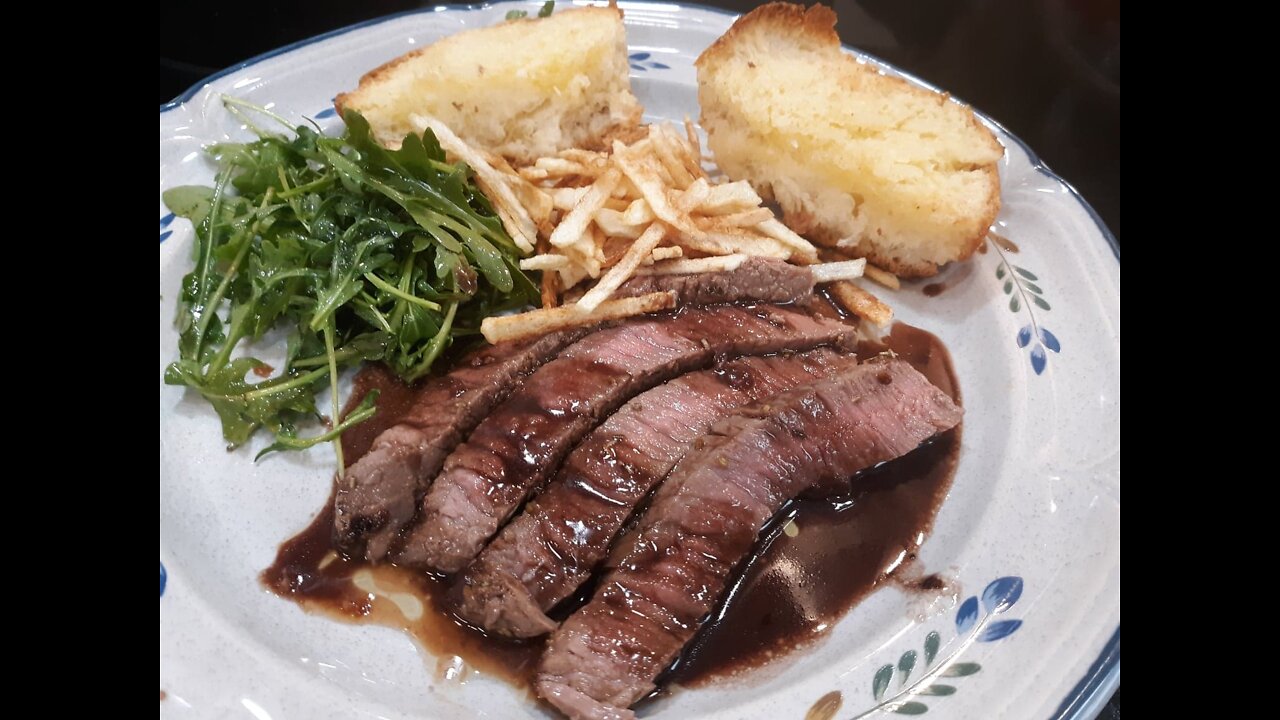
<point>645,208</point>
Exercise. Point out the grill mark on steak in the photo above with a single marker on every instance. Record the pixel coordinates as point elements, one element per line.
<point>523,441</point>
<point>379,494</point>
<point>672,569</point>
<point>550,549</point>
<point>756,279</point>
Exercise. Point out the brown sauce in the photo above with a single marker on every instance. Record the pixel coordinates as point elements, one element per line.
<point>826,707</point>
<point>309,570</point>
<point>796,587</point>
<point>1005,243</point>
<point>934,289</point>
<point>790,592</point>
<point>394,400</point>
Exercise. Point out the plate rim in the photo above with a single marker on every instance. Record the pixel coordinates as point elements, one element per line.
<point>1087,698</point>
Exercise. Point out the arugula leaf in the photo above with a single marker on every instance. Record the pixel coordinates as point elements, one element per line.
<point>358,414</point>
<point>545,11</point>
<point>189,201</point>
<point>359,252</point>
<point>243,407</point>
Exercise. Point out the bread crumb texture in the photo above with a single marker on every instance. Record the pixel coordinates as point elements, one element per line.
<point>900,175</point>
<point>522,89</point>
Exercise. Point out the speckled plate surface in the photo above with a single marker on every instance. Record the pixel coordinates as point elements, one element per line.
<point>1030,531</point>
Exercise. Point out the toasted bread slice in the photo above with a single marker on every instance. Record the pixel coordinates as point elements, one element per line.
<point>900,175</point>
<point>523,89</point>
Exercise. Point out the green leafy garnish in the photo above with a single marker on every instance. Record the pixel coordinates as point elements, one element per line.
<point>547,8</point>
<point>358,252</point>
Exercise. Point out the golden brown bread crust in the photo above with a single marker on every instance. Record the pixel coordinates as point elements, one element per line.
<point>817,23</point>
<point>376,75</point>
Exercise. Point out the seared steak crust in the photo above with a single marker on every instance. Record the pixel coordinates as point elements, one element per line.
<point>550,549</point>
<point>379,494</point>
<point>756,279</point>
<point>523,441</point>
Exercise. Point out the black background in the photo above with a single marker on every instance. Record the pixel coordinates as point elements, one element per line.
<point>1048,70</point>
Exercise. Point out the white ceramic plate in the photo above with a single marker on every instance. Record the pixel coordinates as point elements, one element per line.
<point>1031,530</point>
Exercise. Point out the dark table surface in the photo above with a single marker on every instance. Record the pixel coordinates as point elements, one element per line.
<point>1048,70</point>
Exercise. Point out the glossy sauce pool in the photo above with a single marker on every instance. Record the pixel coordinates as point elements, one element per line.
<point>815,561</point>
<point>818,558</point>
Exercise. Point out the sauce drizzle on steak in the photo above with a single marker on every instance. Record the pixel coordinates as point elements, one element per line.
<point>668,574</point>
<point>552,547</point>
<point>522,442</point>
<point>380,493</point>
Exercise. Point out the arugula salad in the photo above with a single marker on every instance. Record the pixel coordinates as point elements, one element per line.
<point>358,252</point>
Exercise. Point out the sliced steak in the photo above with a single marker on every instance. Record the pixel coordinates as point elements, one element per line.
<point>670,572</point>
<point>523,441</point>
<point>550,549</point>
<point>757,279</point>
<point>379,494</point>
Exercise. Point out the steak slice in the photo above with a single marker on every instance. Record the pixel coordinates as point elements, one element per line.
<point>550,549</point>
<point>758,279</point>
<point>379,494</point>
<point>671,571</point>
<point>523,441</point>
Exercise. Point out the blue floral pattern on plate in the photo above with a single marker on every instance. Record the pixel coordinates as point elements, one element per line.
<point>1020,285</point>
<point>165,222</point>
<point>642,62</point>
<point>976,621</point>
